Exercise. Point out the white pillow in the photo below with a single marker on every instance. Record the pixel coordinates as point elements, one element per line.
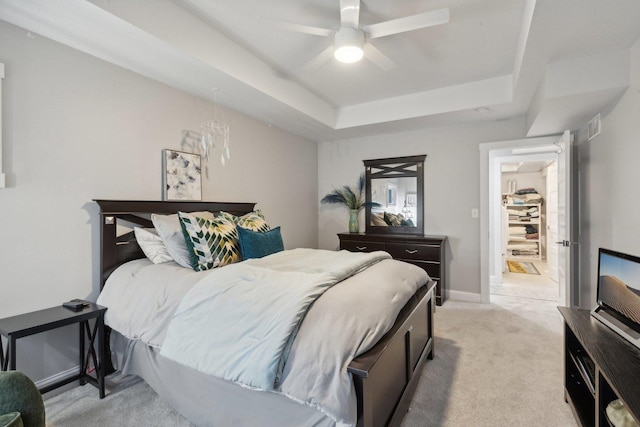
<point>169,229</point>
<point>152,246</point>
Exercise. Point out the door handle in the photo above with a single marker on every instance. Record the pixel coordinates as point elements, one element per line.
<point>566,243</point>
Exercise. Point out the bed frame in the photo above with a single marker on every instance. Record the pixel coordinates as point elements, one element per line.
<point>385,377</point>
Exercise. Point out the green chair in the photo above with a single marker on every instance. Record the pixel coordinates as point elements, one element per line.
<point>21,403</point>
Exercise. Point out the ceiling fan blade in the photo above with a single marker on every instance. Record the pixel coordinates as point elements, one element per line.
<point>409,23</point>
<point>374,55</point>
<point>349,13</point>
<point>306,29</point>
<point>320,60</point>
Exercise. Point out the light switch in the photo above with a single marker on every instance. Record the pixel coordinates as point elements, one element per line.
<point>474,213</point>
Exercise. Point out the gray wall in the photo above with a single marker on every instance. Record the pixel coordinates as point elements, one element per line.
<point>77,128</point>
<point>609,177</point>
<point>451,186</point>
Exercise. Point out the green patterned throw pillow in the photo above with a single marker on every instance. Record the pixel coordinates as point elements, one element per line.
<point>211,242</point>
<point>394,220</point>
<point>253,221</point>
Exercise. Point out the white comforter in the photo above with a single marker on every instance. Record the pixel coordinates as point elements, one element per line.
<point>343,323</point>
<point>238,323</point>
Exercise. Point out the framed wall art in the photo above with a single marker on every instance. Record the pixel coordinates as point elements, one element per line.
<point>412,199</point>
<point>181,176</point>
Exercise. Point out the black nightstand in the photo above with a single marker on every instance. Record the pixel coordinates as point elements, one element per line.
<point>27,324</point>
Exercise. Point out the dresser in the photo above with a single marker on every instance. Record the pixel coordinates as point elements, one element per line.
<point>427,252</point>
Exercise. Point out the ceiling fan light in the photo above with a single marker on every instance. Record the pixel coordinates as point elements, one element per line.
<point>348,43</point>
<point>348,54</point>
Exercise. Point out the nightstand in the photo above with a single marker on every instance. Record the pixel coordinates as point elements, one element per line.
<point>35,322</point>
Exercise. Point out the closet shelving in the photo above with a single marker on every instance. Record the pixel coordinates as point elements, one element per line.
<point>524,231</point>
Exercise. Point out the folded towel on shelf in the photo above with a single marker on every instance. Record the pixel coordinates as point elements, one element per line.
<point>524,252</point>
<point>518,229</point>
<point>522,245</point>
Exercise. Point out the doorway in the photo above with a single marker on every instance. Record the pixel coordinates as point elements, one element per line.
<point>528,210</point>
<point>492,155</point>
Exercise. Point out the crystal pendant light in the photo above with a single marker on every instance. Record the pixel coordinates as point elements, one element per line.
<point>215,131</point>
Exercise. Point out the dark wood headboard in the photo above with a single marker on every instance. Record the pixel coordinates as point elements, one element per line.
<point>116,250</point>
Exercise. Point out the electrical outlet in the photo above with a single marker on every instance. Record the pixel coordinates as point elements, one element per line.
<point>475,214</point>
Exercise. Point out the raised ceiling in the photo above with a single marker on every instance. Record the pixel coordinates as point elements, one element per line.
<point>556,62</point>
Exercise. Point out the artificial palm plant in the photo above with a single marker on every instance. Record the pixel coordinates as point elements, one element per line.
<point>352,198</point>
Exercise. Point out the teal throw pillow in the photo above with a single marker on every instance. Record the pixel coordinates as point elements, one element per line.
<point>254,244</point>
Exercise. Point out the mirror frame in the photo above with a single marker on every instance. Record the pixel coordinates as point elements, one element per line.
<point>396,167</point>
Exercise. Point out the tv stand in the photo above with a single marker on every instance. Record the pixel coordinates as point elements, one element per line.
<point>600,366</point>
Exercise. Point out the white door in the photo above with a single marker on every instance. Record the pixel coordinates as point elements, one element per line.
<point>551,216</point>
<point>565,241</point>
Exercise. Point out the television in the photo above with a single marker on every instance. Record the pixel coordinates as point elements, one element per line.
<point>619,293</point>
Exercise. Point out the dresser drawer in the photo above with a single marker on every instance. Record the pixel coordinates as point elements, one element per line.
<point>427,252</point>
<point>414,251</point>
<point>355,246</point>
<point>432,268</point>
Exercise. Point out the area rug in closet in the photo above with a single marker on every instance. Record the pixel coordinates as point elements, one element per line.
<point>522,267</point>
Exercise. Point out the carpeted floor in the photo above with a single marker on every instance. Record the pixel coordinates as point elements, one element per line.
<point>495,364</point>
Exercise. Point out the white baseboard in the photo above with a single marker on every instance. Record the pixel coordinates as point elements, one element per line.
<point>464,296</point>
<point>57,377</point>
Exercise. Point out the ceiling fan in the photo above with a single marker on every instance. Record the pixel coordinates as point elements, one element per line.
<point>352,41</point>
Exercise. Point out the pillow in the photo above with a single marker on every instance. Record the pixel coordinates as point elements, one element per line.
<point>394,220</point>
<point>168,227</point>
<point>252,221</point>
<point>151,244</point>
<point>254,244</point>
<point>378,220</point>
<point>211,242</point>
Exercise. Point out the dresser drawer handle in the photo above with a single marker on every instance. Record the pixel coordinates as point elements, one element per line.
<point>414,251</point>
<point>361,248</point>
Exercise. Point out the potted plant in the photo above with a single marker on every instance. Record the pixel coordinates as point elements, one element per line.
<point>353,199</point>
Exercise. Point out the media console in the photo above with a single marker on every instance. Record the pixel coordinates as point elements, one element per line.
<point>600,366</point>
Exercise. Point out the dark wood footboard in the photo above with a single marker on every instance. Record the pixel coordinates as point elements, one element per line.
<point>386,376</point>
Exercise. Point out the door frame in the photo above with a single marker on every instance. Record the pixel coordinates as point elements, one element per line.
<point>490,154</point>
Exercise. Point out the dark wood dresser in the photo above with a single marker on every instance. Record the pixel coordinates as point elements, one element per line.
<point>427,252</point>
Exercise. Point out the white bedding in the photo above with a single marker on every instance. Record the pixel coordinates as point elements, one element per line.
<point>343,323</point>
<point>217,330</point>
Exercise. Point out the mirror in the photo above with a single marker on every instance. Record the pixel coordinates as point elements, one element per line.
<point>394,195</point>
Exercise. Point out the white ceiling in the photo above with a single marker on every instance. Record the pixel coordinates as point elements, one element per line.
<point>557,62</point>
<point>524,166</point>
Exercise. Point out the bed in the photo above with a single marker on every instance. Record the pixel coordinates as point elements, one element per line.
<point>384,377</point>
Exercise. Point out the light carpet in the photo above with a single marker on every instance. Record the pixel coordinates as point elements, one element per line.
<point>495,364</point>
